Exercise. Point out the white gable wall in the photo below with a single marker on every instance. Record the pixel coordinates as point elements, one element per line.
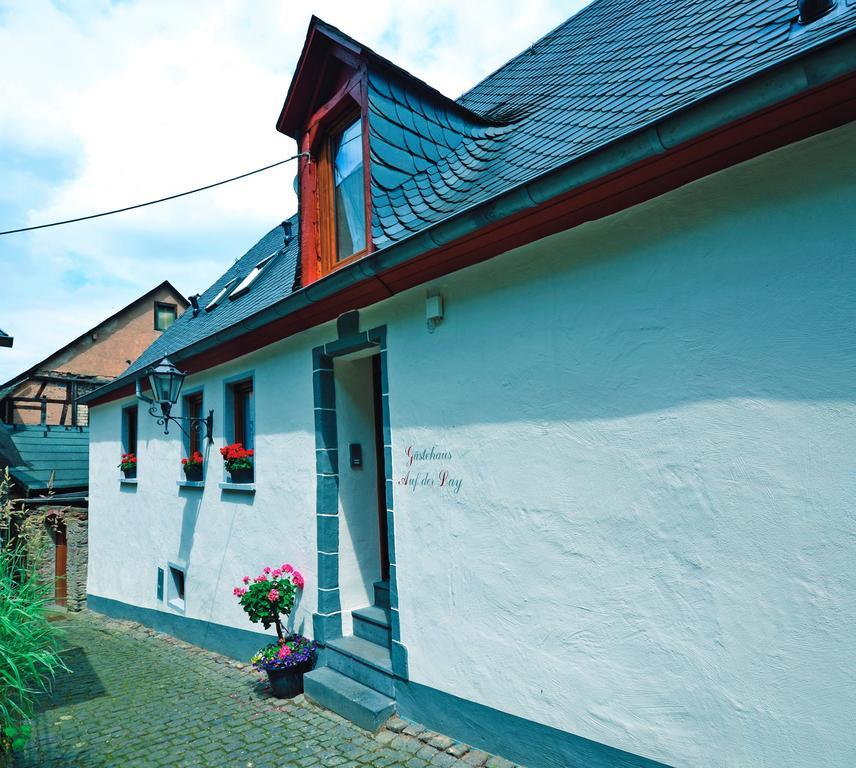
<point>652,418</point>
<point>221,535</point>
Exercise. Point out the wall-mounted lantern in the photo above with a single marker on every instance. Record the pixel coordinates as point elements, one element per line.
<point>165,381</point>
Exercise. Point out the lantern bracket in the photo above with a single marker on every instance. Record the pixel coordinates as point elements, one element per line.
<point>161,410</point>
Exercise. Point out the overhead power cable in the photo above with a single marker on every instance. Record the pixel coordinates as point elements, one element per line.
<point>154,202</point>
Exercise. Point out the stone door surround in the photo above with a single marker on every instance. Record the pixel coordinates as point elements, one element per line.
<point>327,621</point>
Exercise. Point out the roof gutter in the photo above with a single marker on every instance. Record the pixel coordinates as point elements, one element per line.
<point>808,72</point>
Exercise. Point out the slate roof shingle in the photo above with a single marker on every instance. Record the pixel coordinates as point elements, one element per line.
<point>276,281</point>
<point>614,68</point>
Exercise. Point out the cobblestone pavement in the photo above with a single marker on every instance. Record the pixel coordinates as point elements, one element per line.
<point>139,698</point>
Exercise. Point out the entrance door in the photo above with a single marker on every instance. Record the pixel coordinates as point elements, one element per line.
<point>380,469</point>
<point>363,556</point>
<point>60,564</point>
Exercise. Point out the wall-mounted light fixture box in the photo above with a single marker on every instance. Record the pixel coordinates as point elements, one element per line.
<point>434,311</point>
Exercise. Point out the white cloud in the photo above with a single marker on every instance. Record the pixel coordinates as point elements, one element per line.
<point>116,103</point>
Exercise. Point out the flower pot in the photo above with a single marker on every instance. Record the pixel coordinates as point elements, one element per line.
<point>241,475</point>
<point>287,683</point>
<point>129,473</point>
<point>193,472</point>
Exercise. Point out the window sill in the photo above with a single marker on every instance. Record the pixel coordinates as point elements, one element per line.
<point>127,481</point>
<point>238,487</point>
<point>190,483</point>
<point>176,604</point>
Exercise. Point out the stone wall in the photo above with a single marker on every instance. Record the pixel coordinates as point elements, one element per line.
<point>77,527</point>
<point>77,539</point>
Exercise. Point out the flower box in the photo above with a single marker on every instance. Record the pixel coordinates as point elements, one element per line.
<point>192,466</point>
<point>128,465</point>
<point>241,475</point>
<point>238,462</point>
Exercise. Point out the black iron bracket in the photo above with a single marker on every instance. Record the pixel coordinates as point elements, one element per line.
<point>202,426</point>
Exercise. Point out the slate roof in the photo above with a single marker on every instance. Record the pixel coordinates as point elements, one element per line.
<point>43,450</point>
<point>615,68</point>
<point>276,281</point>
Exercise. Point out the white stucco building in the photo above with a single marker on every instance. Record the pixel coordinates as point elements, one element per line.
<point>555,412</point>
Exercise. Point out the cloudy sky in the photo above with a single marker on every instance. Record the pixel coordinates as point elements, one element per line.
<point>105,104</point>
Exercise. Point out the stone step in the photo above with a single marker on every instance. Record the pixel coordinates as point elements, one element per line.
<point>381,594</point>
<point>372,623</point>
<point>348,698</point>
<point>363,661</point>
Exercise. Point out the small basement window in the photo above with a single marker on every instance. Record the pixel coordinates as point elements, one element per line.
<point>175,587</point>
<point>252,276</point>
<point>165,315</point>
<point>219,297</point>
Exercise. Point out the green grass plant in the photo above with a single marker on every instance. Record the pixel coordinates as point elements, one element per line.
<point>29,644</point>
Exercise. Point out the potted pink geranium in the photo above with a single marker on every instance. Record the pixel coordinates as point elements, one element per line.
<point>267,599</point>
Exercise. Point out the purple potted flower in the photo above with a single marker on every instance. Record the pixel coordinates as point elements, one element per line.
<point>266,599</point>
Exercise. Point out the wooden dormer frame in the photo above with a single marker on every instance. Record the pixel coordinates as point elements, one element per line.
<point>317,223</point>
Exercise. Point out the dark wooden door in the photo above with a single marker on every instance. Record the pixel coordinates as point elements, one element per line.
<point>61,565</point>
<point>381,468</point>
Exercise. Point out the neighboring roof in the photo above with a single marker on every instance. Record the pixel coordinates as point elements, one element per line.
<point>38,366</point>
<point>9,455</point>
<point>59,499</point>
<point>276,281</point>
<point>5,339</point>
<point>614,71</point>
<point>50,450</point>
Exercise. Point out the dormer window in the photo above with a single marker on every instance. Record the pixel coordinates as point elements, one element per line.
<point>326,112</point>
<point>341,191</point>
<point>349,190</point>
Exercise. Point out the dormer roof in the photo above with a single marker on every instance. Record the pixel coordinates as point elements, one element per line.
<point>325,43</point>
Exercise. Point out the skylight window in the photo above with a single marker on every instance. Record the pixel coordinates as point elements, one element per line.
<point>219,297</point>
<point>252,276</point>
